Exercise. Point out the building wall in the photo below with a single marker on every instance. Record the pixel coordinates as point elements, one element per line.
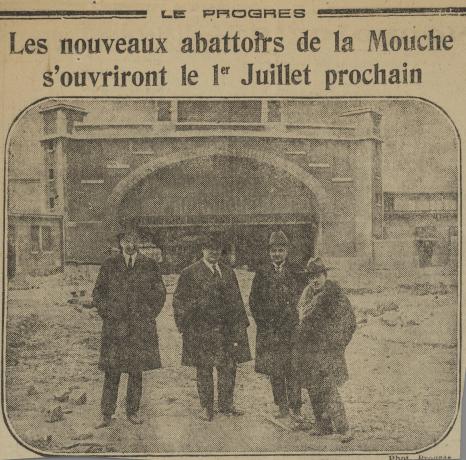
<point>95,167</point>
<point>90,161</point>
<point>444,228</point>
<point>423,219</point>
<point>37,244</point>
<point>25,196</point>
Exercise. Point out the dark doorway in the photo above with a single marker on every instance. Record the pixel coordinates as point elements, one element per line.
<point>243,198</point>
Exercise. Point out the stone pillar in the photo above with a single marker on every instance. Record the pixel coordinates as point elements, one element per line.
<point>174,111</point>
<point>64,117</point>
<point>319,246</point>
<point>59,123</point>
<point>366,137</point>
<point>363,199</point>
<point>60,177</point>
<point>264,111</point>
<point>366,122</point>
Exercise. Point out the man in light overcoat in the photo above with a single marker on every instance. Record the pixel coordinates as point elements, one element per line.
<point>210,315</point>
<point>129,294</point>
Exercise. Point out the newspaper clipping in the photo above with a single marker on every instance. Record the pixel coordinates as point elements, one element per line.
<point>232,228</point>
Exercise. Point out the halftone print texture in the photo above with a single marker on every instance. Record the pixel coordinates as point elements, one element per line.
<point>369,185</point>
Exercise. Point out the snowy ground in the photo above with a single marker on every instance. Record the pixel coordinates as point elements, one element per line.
<point>402,393</point>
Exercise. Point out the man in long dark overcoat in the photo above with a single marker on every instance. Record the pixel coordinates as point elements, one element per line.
<point>210,315</point>
<point>275,291</point>
<point>129,294</point>
<point>327,324</point>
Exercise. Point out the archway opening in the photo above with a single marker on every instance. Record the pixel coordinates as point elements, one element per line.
<point>244,198</point>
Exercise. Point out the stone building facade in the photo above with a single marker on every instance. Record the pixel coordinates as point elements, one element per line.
<point>240,165</point>
<point>420,229</point>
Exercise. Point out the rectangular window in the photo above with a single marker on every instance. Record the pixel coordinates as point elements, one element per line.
<point>453,231</point>
<point>47,238</point>
<point>50,147</point>
<point>50,122</point>
<point>389,202</point>
<point>274,114</point>
<point>429,232</point>
<point>51,174</point>
<point>35,238</point>
<point>164,111</point>
<point>220,111</point>
<point>92,166</point>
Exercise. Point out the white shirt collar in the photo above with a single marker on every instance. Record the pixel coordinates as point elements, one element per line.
<point>278,267</point>
<point>212,267</point>
<point>127,256</point>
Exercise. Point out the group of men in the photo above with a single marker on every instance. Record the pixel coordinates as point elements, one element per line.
<point>304,323</point>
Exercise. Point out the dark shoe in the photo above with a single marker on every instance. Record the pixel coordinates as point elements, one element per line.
<point>319,431</point>
<point>232,412</point>
<point>209,413</point>
<point>206,413</point>
<point>296,416</point>
<point>282,412</point>
<point>341,424</point>
<point>299,426</point>
<point>106,421</point>
<point>346,437</point>
<point>135,419</point>
<point>321,428</point>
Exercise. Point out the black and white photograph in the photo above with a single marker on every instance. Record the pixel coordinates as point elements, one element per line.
<point>209,276</point>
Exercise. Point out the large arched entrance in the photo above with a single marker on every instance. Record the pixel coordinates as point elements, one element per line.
<point>247,198</point>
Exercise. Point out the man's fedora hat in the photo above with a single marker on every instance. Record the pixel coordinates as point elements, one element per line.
<point>127,230</point>
<point>278,239</point>
<point>315,267</point>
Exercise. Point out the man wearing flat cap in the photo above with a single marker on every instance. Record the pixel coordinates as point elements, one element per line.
<point>129,294</point>
<point>273,302</point>
<point>327,324</point>
<point>210,315</point>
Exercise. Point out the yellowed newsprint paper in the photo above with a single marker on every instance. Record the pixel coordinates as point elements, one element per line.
<point>232,228</point>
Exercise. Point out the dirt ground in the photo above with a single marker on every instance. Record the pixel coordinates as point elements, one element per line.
<point>401,396</point>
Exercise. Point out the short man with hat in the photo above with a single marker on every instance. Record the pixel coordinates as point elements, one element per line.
<point>327,324</point>
<point>273,302</point>
<point>129,294</point>
<point>210,315</point>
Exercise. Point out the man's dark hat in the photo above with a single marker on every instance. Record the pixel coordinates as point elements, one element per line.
<point>128,230</point>
<point>213,240</point>
<point>278,239</point>
<point>315,267</point>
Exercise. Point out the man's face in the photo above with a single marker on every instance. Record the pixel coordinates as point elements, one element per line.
<point>278,254</point>
<point>212,255</point>
<point>128,244</point>
<point>317,282</point>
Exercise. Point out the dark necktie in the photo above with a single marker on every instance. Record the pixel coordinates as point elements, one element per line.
<point>130,262</point>
<point>216,271</point>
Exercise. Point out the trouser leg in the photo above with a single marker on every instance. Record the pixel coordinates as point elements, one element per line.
<point>319,402</point>
<point>226,376</point>
<point>278,383</point>
<point>133,392</point>
<point>293,389</point>
<point>205,386</point>
<point>110,392</point>
<point>336,410</point>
